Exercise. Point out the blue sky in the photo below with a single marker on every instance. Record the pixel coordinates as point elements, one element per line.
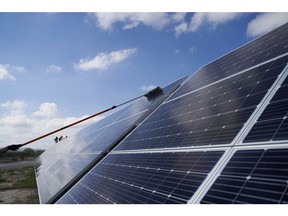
<point>59,67</point>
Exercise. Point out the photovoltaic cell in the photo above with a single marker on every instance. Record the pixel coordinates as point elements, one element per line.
<point>253,177</point>
<point>209,116</point>
<point>167,177</point>
<point>272,125</point>
<point>58,167</point>
<point>268,46</point>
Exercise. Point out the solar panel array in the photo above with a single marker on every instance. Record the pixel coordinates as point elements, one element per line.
<point>61,165</point>
<point>220,138</point>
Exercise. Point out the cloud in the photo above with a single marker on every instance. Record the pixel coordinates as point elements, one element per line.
<point>18,126</point>
<point>7,70</point>
<point>200,19</point>
<point>147,87</point>
<point>5,73</point>
<point>103,61</point>
<point>265,22</point>
<point>47,110</point>
<point>179,29</point>
<point>16,107</point>
<point>172,21</point>
<point>158,21</point>
<point>53,69</point>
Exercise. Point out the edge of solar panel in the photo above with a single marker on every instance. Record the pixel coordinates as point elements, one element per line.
<point>167,90</point>
<point>175,95</point>
<point>231,152</point>
<point>261,109</point>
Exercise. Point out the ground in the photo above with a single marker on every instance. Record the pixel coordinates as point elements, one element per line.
<point>18,183</point>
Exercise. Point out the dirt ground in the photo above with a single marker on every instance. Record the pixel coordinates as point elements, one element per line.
<point>17,183</point>
<point>18,196</point>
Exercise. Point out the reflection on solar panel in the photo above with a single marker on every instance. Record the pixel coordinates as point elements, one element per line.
<point>60,166</point>
<point>168,177</point>
<point>220,138</point>
<point>262,49</point>
<point>212,115</point>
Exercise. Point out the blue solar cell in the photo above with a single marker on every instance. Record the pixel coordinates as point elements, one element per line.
<point>210,116</point>
<point>258,51</point>
<point>252,176</point>
<point>146,177</point>
<point>272,124</point>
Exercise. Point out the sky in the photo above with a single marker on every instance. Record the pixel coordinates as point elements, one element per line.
<point>56,68</point>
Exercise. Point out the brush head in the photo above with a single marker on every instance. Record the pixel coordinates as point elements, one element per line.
<point>154,93</point>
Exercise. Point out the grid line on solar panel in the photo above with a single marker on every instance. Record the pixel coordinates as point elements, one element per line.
<point>272,125</point>
<point>252,176</point>
<point>250,54</point>
<point>211,116</point>
<point>170,177</point>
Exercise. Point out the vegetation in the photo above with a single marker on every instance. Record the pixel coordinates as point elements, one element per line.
<point>20,183</point>
<point>27,153</point>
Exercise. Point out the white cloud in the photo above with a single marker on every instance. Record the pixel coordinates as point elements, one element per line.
<point>17,107</point>
<point>179,29</point>
<point>158,21</point>
<point>213,19</point>
<point>53,69</point>
<point>47,110</point>
<point>147,87</point>
<point>7,70</point>
<point>103,61</point>
<point>178,17</point>
<point>5,73</point>
<point>200,19</point>
<point>265,22</point>
<point>17,126</point>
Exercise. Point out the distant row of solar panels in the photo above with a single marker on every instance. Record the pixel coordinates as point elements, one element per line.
<point>220,138</point>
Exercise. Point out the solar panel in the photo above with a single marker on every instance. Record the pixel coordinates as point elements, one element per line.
<point>61,165</point>
<point>209,142</point>
<point>212,115</point>
<point>166,177</point>
<point>273,122</point>
<point>252,176</point>
<point>262,49</point>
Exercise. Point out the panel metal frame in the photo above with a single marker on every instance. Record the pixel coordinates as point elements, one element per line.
<point>260,109</point>
<point>226,160</point>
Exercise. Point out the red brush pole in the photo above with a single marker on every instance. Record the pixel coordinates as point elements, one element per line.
<point>15,147</point>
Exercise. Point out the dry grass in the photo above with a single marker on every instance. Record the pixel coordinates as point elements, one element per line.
<point>18,186</point>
